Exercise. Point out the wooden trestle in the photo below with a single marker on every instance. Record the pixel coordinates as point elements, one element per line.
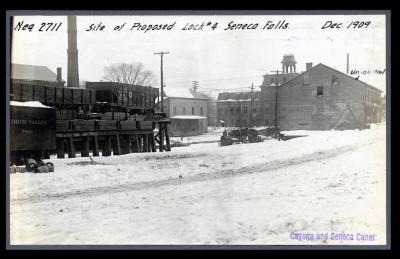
<point>111,137</point>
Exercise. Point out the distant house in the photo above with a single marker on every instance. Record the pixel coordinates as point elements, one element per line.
<point>35,75</point>
<point>321,98</point>
<point>234,109</point>
<point>187,110</point>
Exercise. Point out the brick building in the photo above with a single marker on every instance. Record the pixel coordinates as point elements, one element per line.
<point>234,109</point>
<point>321,98</point>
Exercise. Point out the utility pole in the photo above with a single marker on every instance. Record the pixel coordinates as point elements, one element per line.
<point>251,105</point>
<point>276,103</point>
<point>162,77</point>
<point>195,85</point>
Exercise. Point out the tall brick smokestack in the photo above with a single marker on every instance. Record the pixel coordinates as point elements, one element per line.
<point>73,73</point>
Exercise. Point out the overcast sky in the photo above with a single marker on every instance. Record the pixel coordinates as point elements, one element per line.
<point>218,59</point>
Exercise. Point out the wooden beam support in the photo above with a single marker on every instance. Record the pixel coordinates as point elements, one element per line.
<point>168,146</point>
<point>118,149</point>
<point>85,147</point>
<point>96,146</point>
<point>145,143</point>
<point>153,143</point>
<point>60,148</point>
<point>71,149</point>
<point>161,136</point>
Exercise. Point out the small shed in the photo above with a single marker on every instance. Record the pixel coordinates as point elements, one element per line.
<point>188,125</point>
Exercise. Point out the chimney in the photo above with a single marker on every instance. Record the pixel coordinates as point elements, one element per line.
<point>59,75</point>
<point>347,67</point>
<point>308,65</point>
<point>73,73</point>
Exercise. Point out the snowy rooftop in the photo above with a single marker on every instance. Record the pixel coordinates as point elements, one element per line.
<point>188,117</point>
<point>29,104</point>
<point>32,72</point>
<point>182,93</point>
<point>238,96</point>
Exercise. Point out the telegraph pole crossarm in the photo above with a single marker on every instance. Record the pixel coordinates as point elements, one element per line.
<point>195,85</point>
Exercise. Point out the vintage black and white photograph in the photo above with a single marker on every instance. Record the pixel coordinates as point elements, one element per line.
<point>212,128</point>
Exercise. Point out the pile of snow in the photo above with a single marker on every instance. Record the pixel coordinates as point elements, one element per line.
<point>29,104</point>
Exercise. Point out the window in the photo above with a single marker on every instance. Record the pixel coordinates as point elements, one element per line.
<point>192,110</point>
<point>201,110</point>
<point>174,110</point>
<point>231,110</point>
<point>184,110</point>
<point>320,90</point>
<point>306,79</point>
<point>272,80</point>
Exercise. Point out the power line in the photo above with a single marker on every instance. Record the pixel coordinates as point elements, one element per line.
<point>215,79</point>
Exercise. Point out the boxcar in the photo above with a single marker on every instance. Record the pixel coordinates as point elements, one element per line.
<point>52,95</point>
<point>32,130</point>
<point>125,95</point>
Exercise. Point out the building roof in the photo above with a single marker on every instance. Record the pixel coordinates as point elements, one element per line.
<point>288,59</point>
<point>280,78</point>
<point>32,72</point>
<point>238,96</point>
<point>337,71</point>
<point>175,92</point>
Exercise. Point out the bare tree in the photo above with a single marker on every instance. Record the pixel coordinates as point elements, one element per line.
<point>134,74</point>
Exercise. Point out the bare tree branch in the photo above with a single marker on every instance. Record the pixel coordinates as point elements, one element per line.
<point>133,73</point>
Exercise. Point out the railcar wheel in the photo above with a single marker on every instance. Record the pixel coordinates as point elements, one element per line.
<point>31,165</point>
<point>50,166</point>
<point>42,169</point>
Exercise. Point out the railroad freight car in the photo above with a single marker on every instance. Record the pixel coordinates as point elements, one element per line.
<point>104,118</point>
<point>32,131</point>
<point>135,99</point>
<point>64,97</point>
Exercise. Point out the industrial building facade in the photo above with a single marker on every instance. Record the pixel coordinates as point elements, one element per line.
<point>321,98</point>
<point>233,109</point>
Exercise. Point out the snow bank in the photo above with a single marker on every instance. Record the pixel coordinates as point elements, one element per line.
<point>29,104</point>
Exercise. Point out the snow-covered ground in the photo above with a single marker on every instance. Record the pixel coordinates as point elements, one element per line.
<point>260,193</point>
<point>213,135</point>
